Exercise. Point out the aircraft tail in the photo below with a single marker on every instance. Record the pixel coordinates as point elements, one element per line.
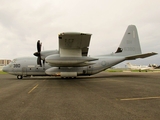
<point>130,43</point>
<point>130,46</point>
<point>129,65</point>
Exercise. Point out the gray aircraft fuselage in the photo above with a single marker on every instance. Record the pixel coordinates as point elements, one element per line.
<point>27,66</point>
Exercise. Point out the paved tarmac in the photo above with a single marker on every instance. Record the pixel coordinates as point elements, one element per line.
<point>105,96</point>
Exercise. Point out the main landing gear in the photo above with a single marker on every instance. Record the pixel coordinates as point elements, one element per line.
<point>19,76</point>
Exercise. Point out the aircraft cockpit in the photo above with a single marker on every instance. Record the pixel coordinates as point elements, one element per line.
<point>8,68</point>
<point>11,63</point>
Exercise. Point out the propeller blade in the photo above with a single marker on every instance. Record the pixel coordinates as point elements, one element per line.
<point>38,46</point>
<point>43,62</point>
<point>38,53</point>
<point>39,61</point>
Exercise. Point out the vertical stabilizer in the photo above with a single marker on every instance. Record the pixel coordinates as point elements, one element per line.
<point>130,43</point>
<point>129,65</point>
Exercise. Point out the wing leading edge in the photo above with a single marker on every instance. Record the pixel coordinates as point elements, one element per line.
<point>73,51</point>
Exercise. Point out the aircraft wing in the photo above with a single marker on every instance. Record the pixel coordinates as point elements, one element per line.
<point>73,51</point>
<point>133,57</point>
<point>73,44</point>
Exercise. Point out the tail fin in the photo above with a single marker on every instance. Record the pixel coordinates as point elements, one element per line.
<point>129,65</point>
<point>130,43</point>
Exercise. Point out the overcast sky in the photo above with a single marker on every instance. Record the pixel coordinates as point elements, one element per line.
<point>23,22</point>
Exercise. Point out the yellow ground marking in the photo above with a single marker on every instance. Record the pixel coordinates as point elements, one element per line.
<point>143,98</point>
<point>33,88</point>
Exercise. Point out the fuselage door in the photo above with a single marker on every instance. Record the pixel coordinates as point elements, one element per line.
<point>24,71</point>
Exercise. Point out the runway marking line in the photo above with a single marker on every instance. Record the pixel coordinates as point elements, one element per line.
<point>33,88</point>
<point>143,98</point>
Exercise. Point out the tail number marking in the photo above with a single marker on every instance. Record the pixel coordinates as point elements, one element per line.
<point>16,65</point>
<point>129,49</point>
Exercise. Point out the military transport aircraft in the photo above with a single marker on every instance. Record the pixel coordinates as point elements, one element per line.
<point>72,60</point>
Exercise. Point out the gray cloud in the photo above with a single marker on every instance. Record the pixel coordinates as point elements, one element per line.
<point>23,22</point>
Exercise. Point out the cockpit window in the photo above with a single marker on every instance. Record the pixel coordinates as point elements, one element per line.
<point>10,64</point>
<point>14,60</point>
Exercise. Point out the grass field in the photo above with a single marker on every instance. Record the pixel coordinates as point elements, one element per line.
<point>123,70</point>
<point>1,72</point>
<point>114,70</point>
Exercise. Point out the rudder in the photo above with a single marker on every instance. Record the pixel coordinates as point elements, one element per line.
<point>129,65</point>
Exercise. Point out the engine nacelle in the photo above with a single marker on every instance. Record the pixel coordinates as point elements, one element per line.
<point>57,61</point>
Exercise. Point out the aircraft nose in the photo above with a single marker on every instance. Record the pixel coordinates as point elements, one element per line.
<point>5,69</point>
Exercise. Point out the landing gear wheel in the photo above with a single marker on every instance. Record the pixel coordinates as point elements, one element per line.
<point>19,76</point>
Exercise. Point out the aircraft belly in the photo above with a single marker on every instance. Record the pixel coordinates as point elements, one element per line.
<point>36,73</point>
<point>16,71</point>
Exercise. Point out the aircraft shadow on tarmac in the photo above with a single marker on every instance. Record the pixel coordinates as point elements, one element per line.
<point>78,78</point>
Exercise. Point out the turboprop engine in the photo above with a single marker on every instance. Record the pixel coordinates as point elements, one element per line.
<point>57,61</point>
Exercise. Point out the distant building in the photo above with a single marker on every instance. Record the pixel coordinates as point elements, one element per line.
<point>4,62</point>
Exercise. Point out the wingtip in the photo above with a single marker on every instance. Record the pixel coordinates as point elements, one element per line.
<point>154,53</point>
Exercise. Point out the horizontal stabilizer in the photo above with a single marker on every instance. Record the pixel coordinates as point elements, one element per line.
<point>133,57</point>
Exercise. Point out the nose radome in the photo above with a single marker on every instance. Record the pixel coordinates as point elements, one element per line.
<point>5,69</point>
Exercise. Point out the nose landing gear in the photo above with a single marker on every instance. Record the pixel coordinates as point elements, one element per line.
<point>19,76</point>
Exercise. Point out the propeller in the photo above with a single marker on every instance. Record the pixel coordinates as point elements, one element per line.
<point>38,53</point>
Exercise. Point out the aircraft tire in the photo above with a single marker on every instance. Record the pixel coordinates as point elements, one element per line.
<point>19,76</point>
